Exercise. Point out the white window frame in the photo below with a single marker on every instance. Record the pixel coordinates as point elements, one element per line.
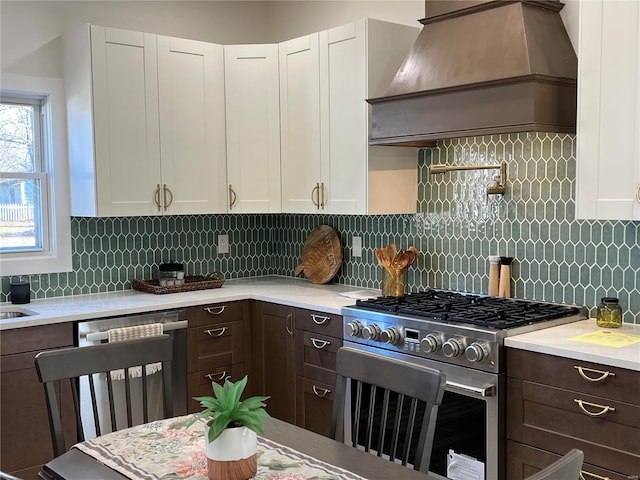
<point>57,256</point>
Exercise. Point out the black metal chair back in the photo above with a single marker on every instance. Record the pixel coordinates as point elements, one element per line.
<point>70,364</point>
<point>565,468</point>
<point>394,406</point>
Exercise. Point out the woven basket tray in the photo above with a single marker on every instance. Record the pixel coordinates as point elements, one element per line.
<point>191,283</point>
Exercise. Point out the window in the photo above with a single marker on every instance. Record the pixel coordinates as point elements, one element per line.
<point>23,178</point>
<point>34,199</point>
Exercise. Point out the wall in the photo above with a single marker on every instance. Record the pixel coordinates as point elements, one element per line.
<point>291,19</point>
<point>30,30</point>
<point>557,258</point>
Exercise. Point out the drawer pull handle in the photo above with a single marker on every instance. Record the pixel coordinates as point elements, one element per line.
<point>288,324</point>
<point>320,392</point>
<point>592,475</point>
<point>603,408</point>
<point>213,378</point>
<point>319,319</point>
<point>602,376</point>
<point>216,332</point>
<point>320,344</point>
<point>216,310</point>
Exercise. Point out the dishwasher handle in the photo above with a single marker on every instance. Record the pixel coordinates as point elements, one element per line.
<point>166,327</point>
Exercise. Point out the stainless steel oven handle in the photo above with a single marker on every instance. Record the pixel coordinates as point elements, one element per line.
<point>484,391</point>
<point>166,327</point>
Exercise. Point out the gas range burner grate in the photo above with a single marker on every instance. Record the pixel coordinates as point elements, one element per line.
<point>454,307</point>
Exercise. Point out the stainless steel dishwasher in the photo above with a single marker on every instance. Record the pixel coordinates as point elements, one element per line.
<point>93,332</point>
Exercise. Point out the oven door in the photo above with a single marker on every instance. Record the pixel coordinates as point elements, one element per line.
<point>469,422</point>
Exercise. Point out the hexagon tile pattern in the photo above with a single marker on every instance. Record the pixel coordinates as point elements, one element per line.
<point>557,258</point>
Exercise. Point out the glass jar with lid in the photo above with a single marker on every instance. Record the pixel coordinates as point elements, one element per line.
<point>609,313</point>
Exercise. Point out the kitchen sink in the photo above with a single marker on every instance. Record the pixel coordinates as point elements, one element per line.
<point>14,312</point>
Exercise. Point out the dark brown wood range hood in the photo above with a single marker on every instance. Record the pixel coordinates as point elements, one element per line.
<point>481,67</point>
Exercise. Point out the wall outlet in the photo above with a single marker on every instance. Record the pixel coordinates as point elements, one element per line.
<point>223,244</point>
<point>356,249</point>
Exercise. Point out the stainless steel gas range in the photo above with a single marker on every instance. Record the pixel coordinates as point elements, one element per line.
<point>463,336</point>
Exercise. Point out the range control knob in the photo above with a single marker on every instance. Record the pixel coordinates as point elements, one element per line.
<point>431,343</point>
<point>391,335</point>
<point>476,352</point>
<point>353,329</point>
<point>452,347</point>
<point>371,332</point>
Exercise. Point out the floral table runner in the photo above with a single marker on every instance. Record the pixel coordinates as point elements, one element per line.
<point>169,450</point>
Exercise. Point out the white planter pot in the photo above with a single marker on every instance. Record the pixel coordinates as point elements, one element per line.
<point>232,456</point>
<point>234,444</point>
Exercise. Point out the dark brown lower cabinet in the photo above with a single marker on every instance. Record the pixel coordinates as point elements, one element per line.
<point>218,346</point>
<point>318,338</point>
<point>525,460</point>
<point>556,404</point>
<point>25,437</point>
<point>314,403</point>
<point>273,371</point>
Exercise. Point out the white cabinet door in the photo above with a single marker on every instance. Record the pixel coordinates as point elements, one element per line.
<point>192,126</point>
<point>344,119</point>
<point>253,128</point>
<point>125,116</point>
<point>358,61</point>
<point>608,139</point>
<point>300,124</point>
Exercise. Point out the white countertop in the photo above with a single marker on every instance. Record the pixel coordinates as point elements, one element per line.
<point>294,292</point>
<point>558,341</point>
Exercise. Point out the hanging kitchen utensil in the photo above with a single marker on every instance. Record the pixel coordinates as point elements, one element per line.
<point>321,255</point>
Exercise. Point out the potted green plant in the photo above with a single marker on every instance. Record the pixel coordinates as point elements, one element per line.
<point>231,430</point>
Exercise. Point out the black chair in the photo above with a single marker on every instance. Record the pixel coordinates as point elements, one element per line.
<point>565,468</point>
<point>70,364</point>
<point>7,476</point>
<point>389,401</point>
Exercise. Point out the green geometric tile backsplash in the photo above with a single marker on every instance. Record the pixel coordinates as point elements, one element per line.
<point>557,258</point>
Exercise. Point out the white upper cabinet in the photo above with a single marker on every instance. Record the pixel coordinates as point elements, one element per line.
<point>300,124</point>
<point>608,138</point>
<point>192,125</point>
<point>327,164</point>
<point>253,128</point>
<point>144,119</point>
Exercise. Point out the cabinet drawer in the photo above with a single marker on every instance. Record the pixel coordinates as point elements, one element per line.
<point>199,383</point>
<point>616,383</point>
<point>215,345</point>
<point>550,418</point>
<point>217,313</point>
<point>34,339</point>
<point>524,460</point>
<point>319,322</point>
<point>314,405</point>
<point>316,356</point>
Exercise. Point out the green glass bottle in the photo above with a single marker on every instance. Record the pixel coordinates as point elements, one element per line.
<point>609,313</point>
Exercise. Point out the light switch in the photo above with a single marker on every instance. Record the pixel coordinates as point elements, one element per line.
<point>356,249</point>
<point>223,244</point>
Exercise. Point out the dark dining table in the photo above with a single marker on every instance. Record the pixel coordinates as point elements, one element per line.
<point>77,464</point>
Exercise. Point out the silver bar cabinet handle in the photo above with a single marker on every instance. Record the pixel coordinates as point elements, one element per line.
<point>211,377</point>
